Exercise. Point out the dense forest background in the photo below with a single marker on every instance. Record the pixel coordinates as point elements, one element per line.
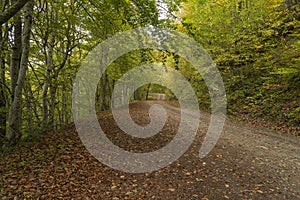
<point>255,44</point>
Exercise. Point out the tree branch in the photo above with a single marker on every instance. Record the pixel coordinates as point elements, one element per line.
<point>12,10</point>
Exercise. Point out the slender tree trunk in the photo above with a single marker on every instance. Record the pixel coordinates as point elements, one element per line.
<point>31,106</point>
<point>34,106</point>
<point>110,88</point>
<point>49,69</point>
<point>107,94</point>
<point>3,103</point>
<point>28,102</point>
<point>136,94</point>
<point>63,111</point>
<point>112,94</point>
<point>147,92</point>
<point>65,117</point>
<point>103,82</point>
<point>16,54</point>
<point>97,98</point>
<point>3,97</point>
<point>15,111</point>
<point>53,89</point>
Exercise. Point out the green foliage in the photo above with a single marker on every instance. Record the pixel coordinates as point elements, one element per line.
<point>254,43</point>
<point>257,48</point>
<point>31,135</point>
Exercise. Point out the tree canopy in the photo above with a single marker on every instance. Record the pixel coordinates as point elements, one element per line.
<point>255,44</point>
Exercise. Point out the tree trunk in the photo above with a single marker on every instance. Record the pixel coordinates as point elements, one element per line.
<point>3,97</point>
<point>65,117</point>
<point>103,81</point>
<point>15,111</point>
<point>16,54</point>
<point>112,94</point>
<point>97,97</point>
<point>29,111</point>
<point>247,3</point>
<point>11,11</point>
<point>147,92</point>
<point>136,95</point>
<point>53,89</point>
<point>34,106</point>
<point>3,102</point>
<point>49,69</point>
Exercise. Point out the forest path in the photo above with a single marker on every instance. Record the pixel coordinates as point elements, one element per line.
<point>247,163</point>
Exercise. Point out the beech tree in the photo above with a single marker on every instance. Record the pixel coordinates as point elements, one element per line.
<point>15,111</point>
<point>3,85</point>
<point>254,43</point>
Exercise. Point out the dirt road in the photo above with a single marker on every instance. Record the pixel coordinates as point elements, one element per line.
<point>247,163</point>
<point>252,162</point>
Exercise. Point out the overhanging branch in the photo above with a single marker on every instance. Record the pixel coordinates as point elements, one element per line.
<point>12,10</point>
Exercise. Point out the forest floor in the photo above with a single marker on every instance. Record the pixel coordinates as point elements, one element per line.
<point>248,162</point>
